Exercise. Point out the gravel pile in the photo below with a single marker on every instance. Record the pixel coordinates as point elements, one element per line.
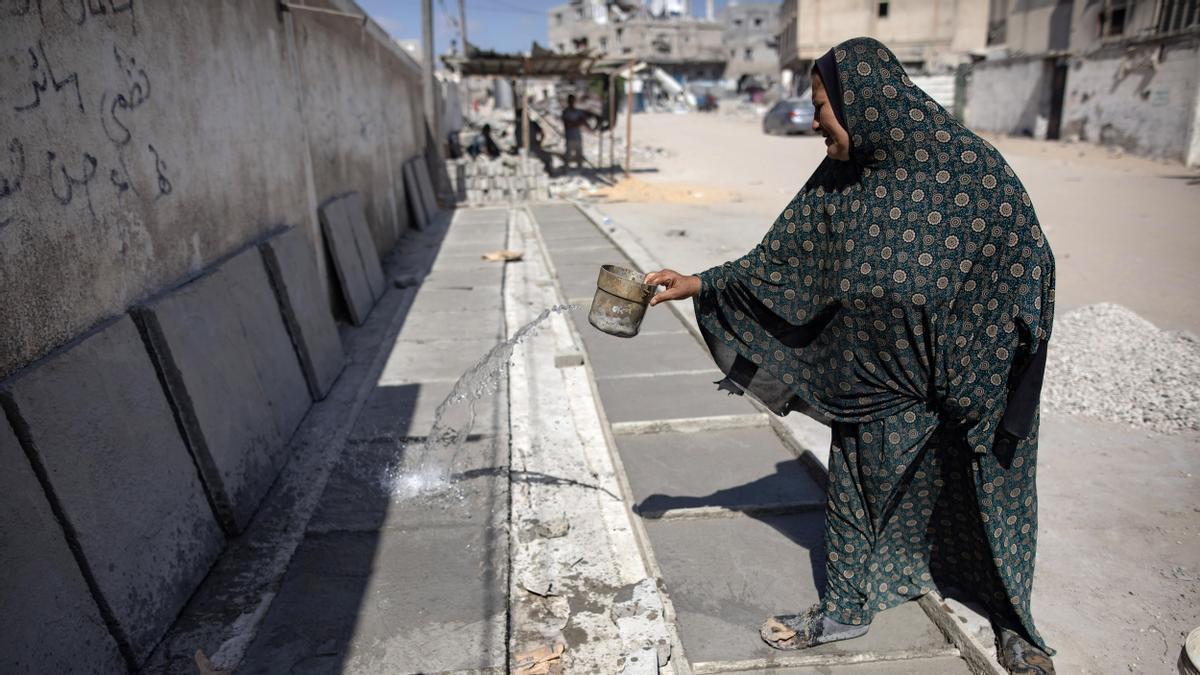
<point>1109,363</point>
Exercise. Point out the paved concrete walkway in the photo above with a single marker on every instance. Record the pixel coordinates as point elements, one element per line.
<point>648,522</point>
<point>731,518</point>
<point>386,584</point>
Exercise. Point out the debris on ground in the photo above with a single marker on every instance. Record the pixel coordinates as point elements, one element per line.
<point>676,233</point>
<point>637,190</point>
<point>503,255</point>
<point>1107,362</point>
<point>544,660</point>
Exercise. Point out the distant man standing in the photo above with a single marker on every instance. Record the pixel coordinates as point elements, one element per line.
<point>574,120</point>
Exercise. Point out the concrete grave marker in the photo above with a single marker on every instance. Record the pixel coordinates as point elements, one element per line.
<point>428,194</point>
<point>416,197</point>
<point>356,210</point>
<point>234,378</point>
<point>352,278</point>
<point>94,417</point>
<point>50,617</point>
<point>292,265</point>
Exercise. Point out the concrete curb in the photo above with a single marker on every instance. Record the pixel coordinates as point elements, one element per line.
<point>678,663</point>
<point>978,656</point>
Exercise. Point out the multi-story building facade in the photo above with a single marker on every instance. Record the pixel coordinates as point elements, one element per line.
<point>659,33</point>
<point>750,39</point>
<point>1124,73</point>
<point>929,36</point>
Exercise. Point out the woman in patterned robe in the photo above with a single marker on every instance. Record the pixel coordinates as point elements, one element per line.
<point>905,297</point>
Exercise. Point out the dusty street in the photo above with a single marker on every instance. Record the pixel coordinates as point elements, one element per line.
<point>1124,229</point>
<point>1120,535</point>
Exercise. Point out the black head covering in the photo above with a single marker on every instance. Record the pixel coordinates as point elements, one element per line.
<point>911,283</point>
<point>826,67</point>
<point>914,274</point>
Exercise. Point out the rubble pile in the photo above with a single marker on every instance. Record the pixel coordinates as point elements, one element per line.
<point>504,180</point>
<point>1107,362</point>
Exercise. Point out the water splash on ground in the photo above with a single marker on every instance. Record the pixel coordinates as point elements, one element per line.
<point>421,473</point>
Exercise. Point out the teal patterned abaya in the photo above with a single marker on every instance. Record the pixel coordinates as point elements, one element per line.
<point>905,297</point>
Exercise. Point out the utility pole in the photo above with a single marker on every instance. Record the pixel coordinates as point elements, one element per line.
<point>427,67</point>
<point>462,24</point>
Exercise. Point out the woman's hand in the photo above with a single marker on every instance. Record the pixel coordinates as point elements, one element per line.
<point>678,286</point>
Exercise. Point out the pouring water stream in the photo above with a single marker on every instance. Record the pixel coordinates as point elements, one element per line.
<point>424,476</point>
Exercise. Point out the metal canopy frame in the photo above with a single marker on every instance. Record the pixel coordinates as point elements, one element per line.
<point>543,63</point>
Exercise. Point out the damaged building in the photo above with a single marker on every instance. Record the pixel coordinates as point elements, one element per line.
<point>658,32</point>
<point>1123,73</point>
<point>928,36</point>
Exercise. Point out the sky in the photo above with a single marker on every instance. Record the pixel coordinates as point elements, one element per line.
<point>503,25</point>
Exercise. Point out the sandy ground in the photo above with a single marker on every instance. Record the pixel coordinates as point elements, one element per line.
<point>1119,564</point>
<point>1123,229</point>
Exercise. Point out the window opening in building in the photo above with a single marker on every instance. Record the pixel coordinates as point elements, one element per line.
<point>749,54</point>
<point>1113,18</point>
<point>883,8</point>
<point>1177,15</point>
<point>758,21</point>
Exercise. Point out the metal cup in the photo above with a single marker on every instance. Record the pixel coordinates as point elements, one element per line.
<point>620,301</point>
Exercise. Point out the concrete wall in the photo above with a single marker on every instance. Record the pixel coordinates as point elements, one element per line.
<point>752,27</point>
<point>1007,96</point>
<point>139,146</point>
<point>1141,97</point>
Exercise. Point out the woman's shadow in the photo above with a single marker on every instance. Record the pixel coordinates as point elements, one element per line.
<point>791,501</point>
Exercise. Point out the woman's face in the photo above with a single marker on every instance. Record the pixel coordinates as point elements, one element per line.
<point>837,139</point>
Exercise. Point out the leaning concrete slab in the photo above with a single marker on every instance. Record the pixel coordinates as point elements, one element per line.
<point>428,193</point>
<point>234,378</point>
<point>96,420</point>
<point>293,268</point>
<point>727,575</point>
<point>49,622</point>
<point>726,469</point>
<point>416,198</point>
<point>352,279</point>
<point>366,244</point>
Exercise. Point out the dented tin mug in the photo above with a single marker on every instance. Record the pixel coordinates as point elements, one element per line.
<point>620,301</point>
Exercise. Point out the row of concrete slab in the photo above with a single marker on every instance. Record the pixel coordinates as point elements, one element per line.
<point>131,454</point>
